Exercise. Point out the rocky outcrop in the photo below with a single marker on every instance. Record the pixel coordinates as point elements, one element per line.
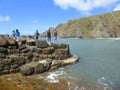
<point>105,25</point>
<point>27,55</point>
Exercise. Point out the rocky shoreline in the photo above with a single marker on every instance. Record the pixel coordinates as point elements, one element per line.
<point>29,56</point>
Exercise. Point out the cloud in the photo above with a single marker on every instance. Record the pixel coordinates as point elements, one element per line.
<point>35,21</point>
<point>117,7</point>
<point>84,5</point>
<point>4,18</point>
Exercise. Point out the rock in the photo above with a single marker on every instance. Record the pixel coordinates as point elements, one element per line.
<point>3,50</point>
<point>13,71</point>
<point>41,44</point>
<point>62,45</point>
<point>2,55</point>
<point>26,55</point>
<point>3,41</point>
<point>61,52</point>
<point>1,67</point>
<point>6,67</point>
<point>37,50</point>
<point>49,50</point>
<point>12,51</point>
<point>55,45</point>
<point>14,66</point>
<point>26,50</point>
<point>22,47</point>
<point>12,42</point>
<point>55,64</point>
<point>35,59</point>
<point>30,55</point>
<point>5,72</point>
<point>39,68</point>
<point>31,43</point>
<point>46,63</point>
<point>20,61</point>
<point>27,70</point>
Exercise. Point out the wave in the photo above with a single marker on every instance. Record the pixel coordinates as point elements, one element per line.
<point>56,76</point>
<point>107,84</point>
<point>108,38</point>
<point>53,77</point>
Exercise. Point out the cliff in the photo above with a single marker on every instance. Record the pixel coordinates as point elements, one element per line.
<point>105,25</point>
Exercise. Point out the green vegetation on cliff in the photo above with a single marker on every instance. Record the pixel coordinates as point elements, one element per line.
<point>104,25</point>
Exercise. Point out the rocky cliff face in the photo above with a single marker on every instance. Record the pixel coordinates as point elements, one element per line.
<point>100,26</point>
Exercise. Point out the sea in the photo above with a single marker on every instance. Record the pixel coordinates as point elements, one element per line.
<point>98,67</point>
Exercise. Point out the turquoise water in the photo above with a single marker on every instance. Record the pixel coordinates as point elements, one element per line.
<point>99,62</point>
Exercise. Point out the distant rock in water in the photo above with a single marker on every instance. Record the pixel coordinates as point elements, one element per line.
<point>105,25</point>
<point>28,56</point>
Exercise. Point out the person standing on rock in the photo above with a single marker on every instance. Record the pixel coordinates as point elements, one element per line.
<point>13,33</point>
<point>17,33</point>
<point>37,35</point>
<point>55,35</point>
<point>49,35</point>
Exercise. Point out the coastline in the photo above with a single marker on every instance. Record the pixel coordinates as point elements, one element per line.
<point>36,82</point>
<point>24,59</point>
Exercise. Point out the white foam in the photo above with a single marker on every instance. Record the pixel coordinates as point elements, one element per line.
<point>105,82</point>
<point>61,68</point>
<point>53,76</point>
<point>114,38</point>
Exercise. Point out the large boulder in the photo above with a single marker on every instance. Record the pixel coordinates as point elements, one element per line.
<point>39,68</point>
<point>42,44</point>
<point>27,70</point>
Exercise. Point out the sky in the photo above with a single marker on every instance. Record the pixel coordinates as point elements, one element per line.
<point>30,15</point>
